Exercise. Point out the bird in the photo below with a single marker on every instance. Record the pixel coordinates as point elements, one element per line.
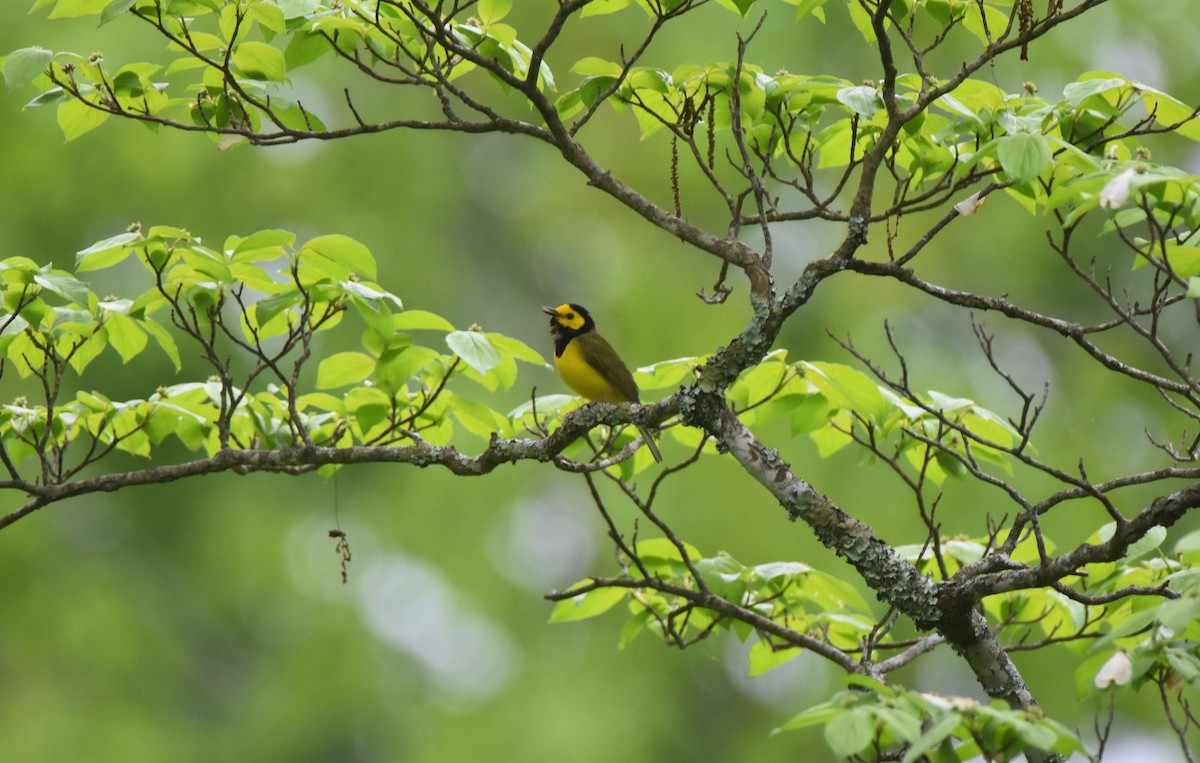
<point>589,364</point>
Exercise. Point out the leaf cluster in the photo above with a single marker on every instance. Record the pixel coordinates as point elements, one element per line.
<point>264,297</point>
<point>871,719</point>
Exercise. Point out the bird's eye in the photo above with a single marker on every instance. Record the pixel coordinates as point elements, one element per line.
<point>570,316</point>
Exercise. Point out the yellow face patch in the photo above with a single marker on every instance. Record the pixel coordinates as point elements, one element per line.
<point>568,317</point>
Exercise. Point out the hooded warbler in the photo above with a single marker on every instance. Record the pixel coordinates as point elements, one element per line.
<point>588,363</point>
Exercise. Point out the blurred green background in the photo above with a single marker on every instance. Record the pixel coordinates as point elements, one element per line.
<point>206,620</point>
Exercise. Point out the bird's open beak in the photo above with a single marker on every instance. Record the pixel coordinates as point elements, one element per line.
<point>550,311</point>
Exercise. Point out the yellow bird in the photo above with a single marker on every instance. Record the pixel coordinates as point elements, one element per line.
<point>588,363</point>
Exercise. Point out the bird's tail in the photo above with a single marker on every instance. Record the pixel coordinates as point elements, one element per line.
<point>648,436</point>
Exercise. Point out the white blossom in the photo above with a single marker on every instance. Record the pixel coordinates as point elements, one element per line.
<point>1117,670</point>
<point>1116,191</point>
<point>969,205</point>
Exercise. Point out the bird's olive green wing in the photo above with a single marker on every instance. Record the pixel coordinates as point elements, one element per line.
<point>602,357</point>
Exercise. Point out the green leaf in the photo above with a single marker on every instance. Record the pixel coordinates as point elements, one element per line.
<point>936,734</point>
<point>1023,156</point>
<point>1170,111</point>
<point>596,67</point>
<point>1178,614</point>
<point>49,98</point>
<point>742,7</point>
<point>266,315</point>
<point>294,117</point>
<point>207,264</point>
<point>848,389</point>
<point>901,722</point>
<point>479,419</point>
<point>964,551</point>
<point>776,570</point>
<point>475,349</point>
<point>545,404</point>
<point>833,593</point>
<point>1035,735</point>
<point>817,714</point>
<point>763,657</point>
<point>369,406</point>
<point>604,7</point>
<point>417,320</point>
<point>121,306</point>
<point>1183,259</point>
<point>861,19</point>
<point>832,438</point>
<point>372,307</point>
<point>305,48</point>
<point>23,66</point>
<point>586,605</point>
<point>106,253</point>
<point>171,233</point>
<point>1128,627</point>
<point>164,339</point>
<point>1147,543</point>
<point>759,382</point>
<point>344,368</point>
<point>666,373</point>
<point>724,576</point>
<point>651,110</point>
<point>1183,663</point>
<point>76,118</point>
<point>296,8</point>
<point>1189,542</point>
<point>258,60</point>
<point>850,733</point>
<point>89,350</point>
<point>261,245</point>
<point>71,289</point>
<point>1185,580</point>
<point>1076,92</point>
<point>862,99</point>
<point>984,21</point>
<point>568,104</point>
<point>593,87</point>
<point>124,335</point>
<point>634,627</point>
<point>269,16</point>
<point>873,685</point>
<point>65,9</point>
<point>491,11</point>
<point>811,412</point>
<point>339,256</point>
<point>378,297</point>
<point>233,21</point>
<point>327,402</point>
<point>133,80</point>
<point>115,9</point>
<point>515,348</point>
<point>805,7</point>
<point>397,366</point>
<point>254,277</point>
<point>664,549</point>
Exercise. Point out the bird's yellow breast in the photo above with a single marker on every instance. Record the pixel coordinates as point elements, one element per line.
<point>580,376</point>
